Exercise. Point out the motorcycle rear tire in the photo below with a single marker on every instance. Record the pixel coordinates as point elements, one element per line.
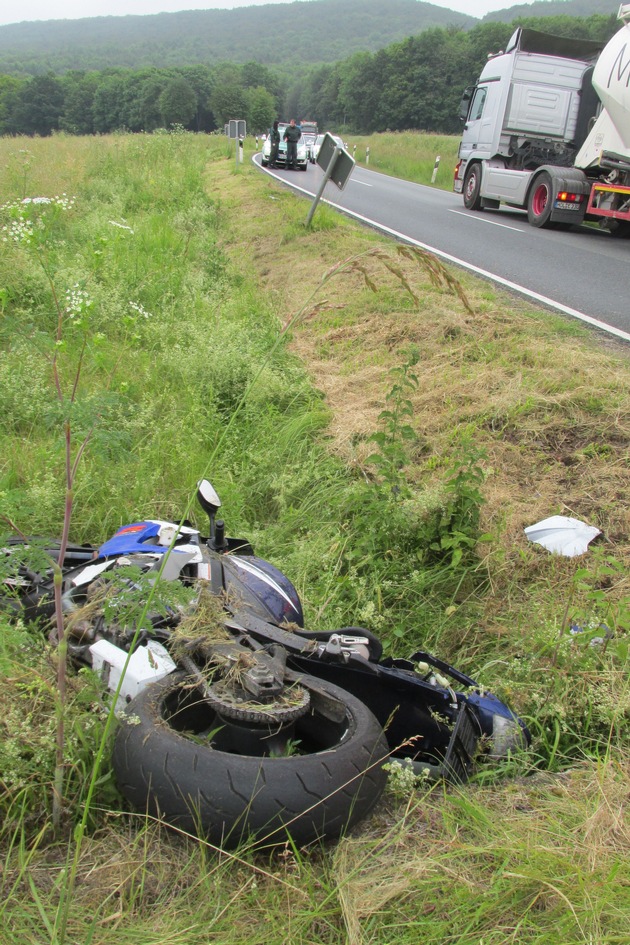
<point>163,767</point>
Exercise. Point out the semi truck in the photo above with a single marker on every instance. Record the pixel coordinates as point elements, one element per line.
<point>547,130</point>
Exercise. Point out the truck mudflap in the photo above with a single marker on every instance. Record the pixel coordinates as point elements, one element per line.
<point>458,177</point>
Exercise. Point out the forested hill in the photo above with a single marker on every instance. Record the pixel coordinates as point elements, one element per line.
<point>553,8</point>
<point>285,35</point>
<point>303,33</point>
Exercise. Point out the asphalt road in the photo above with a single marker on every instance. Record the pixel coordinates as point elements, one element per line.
<point>581,272</point>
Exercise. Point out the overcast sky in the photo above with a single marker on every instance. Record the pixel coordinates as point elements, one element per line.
<point>16,12</point>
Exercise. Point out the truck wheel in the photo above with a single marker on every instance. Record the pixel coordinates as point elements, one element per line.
<point>472,187</point>
<point>540,201</point>
<point>620,229</point>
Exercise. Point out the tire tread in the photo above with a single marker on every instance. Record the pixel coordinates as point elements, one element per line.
<point>228,797</point>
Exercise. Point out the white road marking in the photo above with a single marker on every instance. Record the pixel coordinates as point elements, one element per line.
<point>478,219</point>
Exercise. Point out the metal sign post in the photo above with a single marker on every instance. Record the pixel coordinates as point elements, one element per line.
<point>319,193</point>
<point>337,166</point>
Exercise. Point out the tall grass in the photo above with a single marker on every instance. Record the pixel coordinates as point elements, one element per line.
<point>172,341</point>
<point>411,155</point>
<point>543,861</point>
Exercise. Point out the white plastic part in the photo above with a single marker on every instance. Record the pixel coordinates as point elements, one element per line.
<point>147,664</point>
<point>562,535</point>
<point>91,572</point>
<point>166,534</point>
<point>176,561</point>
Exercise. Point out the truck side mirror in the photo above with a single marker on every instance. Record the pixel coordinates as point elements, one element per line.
<point>465,102</point>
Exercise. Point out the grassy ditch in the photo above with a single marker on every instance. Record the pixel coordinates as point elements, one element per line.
<point>402,424</point>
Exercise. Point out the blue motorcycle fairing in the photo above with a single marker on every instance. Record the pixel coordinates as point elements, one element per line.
<point>265,587</point>
<point>140,537</point>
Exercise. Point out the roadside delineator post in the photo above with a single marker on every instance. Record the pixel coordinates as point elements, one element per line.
<point>367,155</point>
<point>237,129</point>
<point>435,169</point>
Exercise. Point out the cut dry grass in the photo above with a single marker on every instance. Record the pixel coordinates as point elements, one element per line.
<point>542,860</point>
<point>201,627</point>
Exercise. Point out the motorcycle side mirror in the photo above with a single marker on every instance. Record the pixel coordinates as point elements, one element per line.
<point>208,498</point>
<point>211,503</point>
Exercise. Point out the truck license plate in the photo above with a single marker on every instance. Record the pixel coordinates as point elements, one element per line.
<point>565,205</point>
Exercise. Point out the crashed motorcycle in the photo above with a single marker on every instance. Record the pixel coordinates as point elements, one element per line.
<point>237,721</point>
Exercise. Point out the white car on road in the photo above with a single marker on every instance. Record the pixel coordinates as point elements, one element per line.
<point>281,160</point>
<point>318,143</point>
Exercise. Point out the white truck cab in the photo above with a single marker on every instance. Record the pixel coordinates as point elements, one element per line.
<point>539,124</point>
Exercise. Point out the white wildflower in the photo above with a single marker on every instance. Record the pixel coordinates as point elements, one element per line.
<point>121,226</point>
<point>140,309</point>
<point>77,301</point>
<point>63,201</point>
<point>19,231</point>
<point>37,200</point>
<point>403,779</point>
<point>125,717</point>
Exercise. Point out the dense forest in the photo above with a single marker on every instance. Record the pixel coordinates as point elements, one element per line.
<point>416,83</point>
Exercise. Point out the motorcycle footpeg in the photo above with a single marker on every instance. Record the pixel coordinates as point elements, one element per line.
<point>341,647</point>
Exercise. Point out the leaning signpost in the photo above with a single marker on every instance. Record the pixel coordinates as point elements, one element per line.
<point>337,166</point>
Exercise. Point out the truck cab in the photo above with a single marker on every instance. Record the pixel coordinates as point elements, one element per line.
<point>528,114</point>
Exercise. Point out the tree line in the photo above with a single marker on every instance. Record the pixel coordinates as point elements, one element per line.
<point>416,83</point>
